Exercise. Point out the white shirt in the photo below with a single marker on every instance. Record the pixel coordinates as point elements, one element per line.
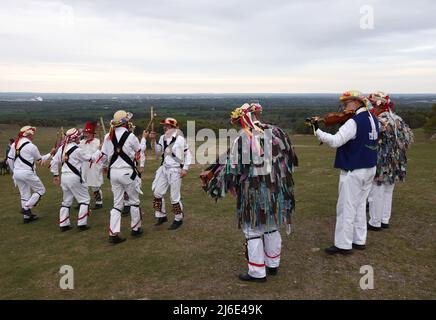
<point>76,159</point>
<point>130,148</point>
<point>90,146</point>
<point>180,149</point>
<point>345,133</point>
<point>29,152</point>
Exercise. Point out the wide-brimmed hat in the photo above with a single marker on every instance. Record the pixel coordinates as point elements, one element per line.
<point>121,117</point>
<point>170,121</point>
<point>73,134</point>
<point>352,95</point>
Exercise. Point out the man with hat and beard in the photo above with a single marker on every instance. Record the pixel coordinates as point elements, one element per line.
<point>356,157</point>
<point>21,160</point>
<point>176,159</point>
<point>121,149</point>
<point>71,158</point>
<point>395,138</point>
<point>92,172</point>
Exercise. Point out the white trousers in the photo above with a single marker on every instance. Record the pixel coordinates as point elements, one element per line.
<point>30,186</point>
<point>380,203</point>
<point>354,187</point>
<point>121,182</point>
<point>167,177</point>
<point>73,189</point>
<point>264,245</point>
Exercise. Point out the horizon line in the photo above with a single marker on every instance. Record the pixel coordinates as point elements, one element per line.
<point>197,93</point>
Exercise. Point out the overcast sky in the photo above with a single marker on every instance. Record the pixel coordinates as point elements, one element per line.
<point>219,46</point>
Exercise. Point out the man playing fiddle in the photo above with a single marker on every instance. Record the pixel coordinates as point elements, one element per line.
<point>356,157</point>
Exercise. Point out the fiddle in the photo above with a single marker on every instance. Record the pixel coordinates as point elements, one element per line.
<point>332,118</point>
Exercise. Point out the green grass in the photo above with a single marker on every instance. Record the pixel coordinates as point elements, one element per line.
<point>202,259</point>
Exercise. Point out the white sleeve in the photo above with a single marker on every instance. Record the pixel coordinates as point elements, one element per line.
<point>11,157</point>
<point>103,156</point>
<point>35,153</point>
<point>83,155</point>
<point>143,144</point>
<point>187,155</point>
<point>97,143</point>
<point>54,164</point>
<point>346,132</point>
<point>45,157</point>
<point>159,145</point>
<point>99,157</point>
<point>188,160</point>
<point>138,148</point>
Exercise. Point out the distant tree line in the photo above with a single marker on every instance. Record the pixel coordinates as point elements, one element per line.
<point>207,113</point>
<point>430,125</point>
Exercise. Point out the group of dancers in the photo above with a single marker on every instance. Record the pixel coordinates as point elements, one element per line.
<point>257,169</point>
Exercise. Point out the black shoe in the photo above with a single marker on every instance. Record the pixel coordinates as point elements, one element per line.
<point>97,206</point>
<point>272,271</point>
<point>335,250</point>
<point>372,228</point>
<point>359,246</point>
<point>137,233</point>
<point>175,225</point>
<point>32,217</point>
<point>83,228</point>
<point>116,239</point>
<point>385,225</point>
<point>65,228</point>
<point>161,221</point>
<point>247,277</point>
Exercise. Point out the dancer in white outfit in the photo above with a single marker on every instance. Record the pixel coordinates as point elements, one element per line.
<point>92,172</point>
<point>71,158</point>
<point>121,149</point>
<point>21,160</point>
<point>176,159</point>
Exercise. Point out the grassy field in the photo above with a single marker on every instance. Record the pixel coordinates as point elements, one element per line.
<point>201,260</point>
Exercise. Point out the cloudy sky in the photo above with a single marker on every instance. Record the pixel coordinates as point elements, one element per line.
<point>218,46</point>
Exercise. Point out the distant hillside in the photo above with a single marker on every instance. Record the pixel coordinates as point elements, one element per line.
<point>209,110</point>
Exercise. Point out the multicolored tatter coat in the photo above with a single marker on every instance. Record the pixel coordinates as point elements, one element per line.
<point>395,138</point>
<point>263,195</point>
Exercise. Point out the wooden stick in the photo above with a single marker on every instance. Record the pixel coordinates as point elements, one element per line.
<point>99,132</point>
<point>102,125</point>
<point>57,139</point>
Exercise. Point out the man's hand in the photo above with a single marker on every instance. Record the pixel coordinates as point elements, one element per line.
<point>183,173</point>
<point>53,151</point>
<point>141,170</point>
<point>56,181</point>
<point>145,134</point>
<point>313,122</point>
